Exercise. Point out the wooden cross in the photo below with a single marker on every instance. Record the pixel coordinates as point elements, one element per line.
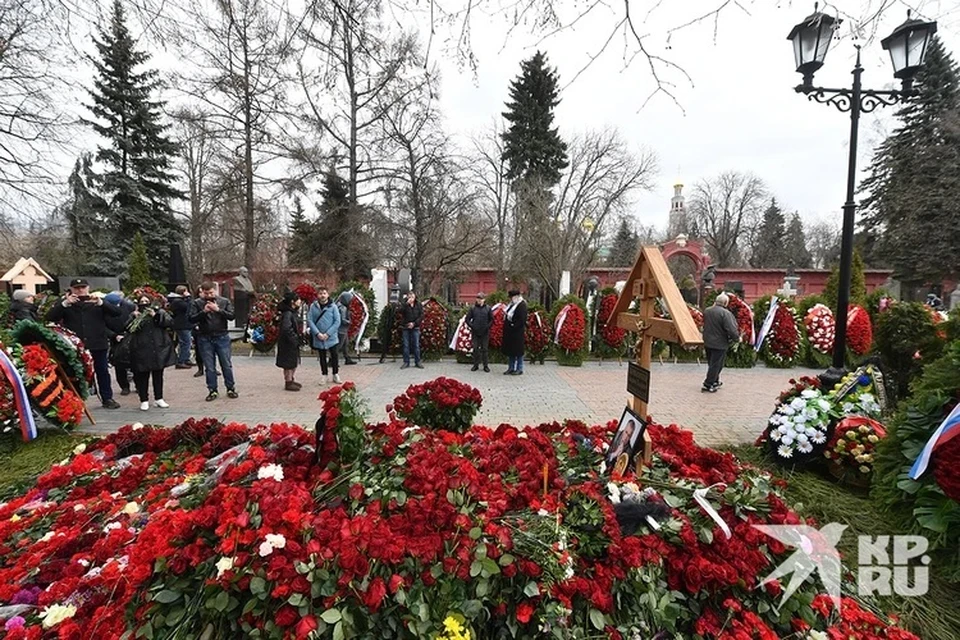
<point>651,279</point>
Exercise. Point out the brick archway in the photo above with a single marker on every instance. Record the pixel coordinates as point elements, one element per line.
<point>692,249</point>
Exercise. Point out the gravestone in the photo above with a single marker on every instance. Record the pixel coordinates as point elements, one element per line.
<point>242,295</point>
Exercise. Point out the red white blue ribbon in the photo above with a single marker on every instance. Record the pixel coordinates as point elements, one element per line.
<point>28,428</point>
<point>948,429</point>
<point>767,323</point>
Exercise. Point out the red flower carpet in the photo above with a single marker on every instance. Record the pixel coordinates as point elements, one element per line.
<point>400,530</point>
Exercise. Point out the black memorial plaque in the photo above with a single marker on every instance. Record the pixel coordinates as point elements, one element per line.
<point>638,381</point>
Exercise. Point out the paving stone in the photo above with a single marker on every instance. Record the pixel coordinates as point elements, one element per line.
<point>594,393</point>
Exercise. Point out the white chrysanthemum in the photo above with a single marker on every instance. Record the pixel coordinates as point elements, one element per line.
<point>847,407</point>
<point>808,393</point>
<point>801,420</point>
<point>823,404</point>
<point>819,438</point>
<point>797,404</point>
<point>224,565</point>
<point>614,492</point>
<point>787,410</point>
<point>57,613</point>
<point>270,471</point>
<point>784,451</point>
<point>784,428</point>
<point>802,438</point>
<point>775,435</point>
<point>805,447</point>
<point>787,439</point>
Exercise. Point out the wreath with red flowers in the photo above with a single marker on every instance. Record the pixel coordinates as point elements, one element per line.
<point>263,327</point>
<point>742,354</point>
<point>859,330</point>
<point>821,328</point>
<point>854,443</point>
<point>782,344</point>
<point>570,334</point>
<point>306,291</point>
<point>537,334</point>
<point>946,468</point>
<point>357,311</point>
<point>463,342</point>
<point>443,403</point>
<point>496,329</point>
<point>612,335</point>
<point>433,329</point>
<point>65,346</point>
<point>49,392</point>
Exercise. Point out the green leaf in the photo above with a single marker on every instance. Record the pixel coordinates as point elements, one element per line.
<point>338,631</point>
<point>490,567</point>
<point>258,586</point>
<point>475,568</point>
<point>296,600</point>
<point>167,596</point>
<point>331,616</point>
<point>596,619</point>
<point>531,590</point>
<point>506,560</point>
<point>221,601</point>
<point>475,533</point>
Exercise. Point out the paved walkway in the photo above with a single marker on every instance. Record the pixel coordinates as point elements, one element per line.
<point>594,393</point>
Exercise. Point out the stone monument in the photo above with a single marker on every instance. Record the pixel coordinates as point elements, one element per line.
<point>242,293</point>
<point>955,298</point>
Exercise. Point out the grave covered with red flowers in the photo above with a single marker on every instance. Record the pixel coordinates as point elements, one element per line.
<point>226,531</point>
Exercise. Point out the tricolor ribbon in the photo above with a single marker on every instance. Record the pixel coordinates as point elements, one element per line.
<point>948,429</point>
<point>700,495</point>
<point>20,398</point>
<point>363,323</point>
<point>767,323</point>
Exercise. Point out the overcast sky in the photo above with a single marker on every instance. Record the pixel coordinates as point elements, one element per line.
<point>739,113</point>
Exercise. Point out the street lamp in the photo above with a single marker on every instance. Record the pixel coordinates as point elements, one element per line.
<point>907,46</point>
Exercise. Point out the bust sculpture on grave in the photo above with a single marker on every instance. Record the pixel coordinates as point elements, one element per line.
<point>955,298</point>
<point>242,281</point>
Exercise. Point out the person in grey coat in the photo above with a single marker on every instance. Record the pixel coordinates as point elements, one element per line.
<point>719,332</point>
<point>324,321</point>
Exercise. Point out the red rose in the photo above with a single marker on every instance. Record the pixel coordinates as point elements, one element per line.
<point>396,583</point>
<point>375,594</point>
<point>524,612</point>
<point>287,616</point>
<point>305,626</point>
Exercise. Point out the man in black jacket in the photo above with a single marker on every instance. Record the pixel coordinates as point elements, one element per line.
<point>480,319</point>
<point>412,315</point>
<point>211,313</point>
<point>179,302</point>
<point>86,315</point>
<point>719,332</point>
<point>117,333</point>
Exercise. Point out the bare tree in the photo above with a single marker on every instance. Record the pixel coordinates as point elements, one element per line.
<point>488,170</point>
<point>823,242</point>
<point>432,205</point>
<point>727,210</point>
<point>241,49</point>
<point>595,190</point>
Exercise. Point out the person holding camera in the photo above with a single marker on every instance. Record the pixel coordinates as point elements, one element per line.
<point>86,315</point>
<point>151,347</point>
<point>211,313</point>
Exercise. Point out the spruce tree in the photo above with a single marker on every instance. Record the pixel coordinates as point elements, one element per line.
<point>532,146</point>
<point>795,245</point>
<point>138,264</point>
<point>350,257</point>
<point>86,213</point>
<point>912,197</point>
<point>623,253</point>
<point>298,249</point>
<point>136,182</point>
<point>769,247</point>
<point>858,284</point>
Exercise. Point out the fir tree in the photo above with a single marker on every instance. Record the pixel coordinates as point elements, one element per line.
<point>331,239</point>
<point>795,245</point>
<point>623,253</point>
<point>912,197</point>
<point>532,146</point>
<point>136,182</point>
<point>769,248</point>
<point>138,264</point>
<point>858,284</point>
<point>86,213</point>
<point>299,252</point>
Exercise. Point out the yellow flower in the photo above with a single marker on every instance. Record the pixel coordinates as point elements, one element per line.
<point>55,614</point>
<point>131,508</point>
<point>453,630</point>
<point>14,518</point>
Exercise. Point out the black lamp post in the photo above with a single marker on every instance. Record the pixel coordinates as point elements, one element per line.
<point>907,46</point>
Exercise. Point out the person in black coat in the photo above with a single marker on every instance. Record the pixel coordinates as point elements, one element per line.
<point>514,328</point>
<point>117,331</point>
<point>23,307</point>
<point>151,348</point>
<point>480,319</point>
<point>386,329</point>
<point>179,302</point>
<point>412,316</point>
<point>86,315</point>
<point>288,344</point>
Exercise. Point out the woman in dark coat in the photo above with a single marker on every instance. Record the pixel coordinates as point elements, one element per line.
<point>151,348</point>
<point>514,327</point>
<point>288,344</point>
